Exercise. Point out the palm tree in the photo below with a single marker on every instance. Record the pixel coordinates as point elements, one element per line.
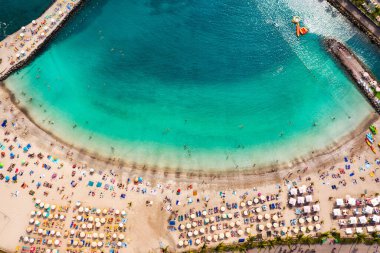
<point>359,238</point>
<point>165,249</point>
<point>220,247</point>
<point>204,248</point>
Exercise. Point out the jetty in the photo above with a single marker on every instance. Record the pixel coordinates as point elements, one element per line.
<point>362,77</point>
<point>17,49</point>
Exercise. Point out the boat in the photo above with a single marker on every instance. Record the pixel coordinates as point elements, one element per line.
<point>369,137</point>
<point>298,29</point>
<point>373,149</point>
<point>303,30</point>
<point>368,142</point>
<point>373,129</point>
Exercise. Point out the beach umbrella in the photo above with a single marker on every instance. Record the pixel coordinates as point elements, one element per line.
<point>28,229</point>
<point>194,224</point>
<point>123,213</point>
<point>40,230</point>
<point>94,244</point>
<point>97,219</point>
<point>221,236</point>
<point>275,217</point>
<point>275,225</point>
<point>42,204</point>
<point>105,211</point>
<point>76,243</point>
<point>204,212</point>
<point>242,204</point>
<point>189,234</point>
<point>26,239</point>
<point>72,231</point>
<point>47,251</point>
<point>255,200</point>
<point>31,221</point>
<point>46,205</point>
<point>237,223</point>
<point>261,227</point>
<point>181,227</point>
<point>222,209</point>
<point>213,228</point>
<point>49,242</point>
<point>95,235</point>
<point>56,242</point>
<point>240,232</point>
<point>79,217</point>
<point>86,210</point>
<point>259,217</point>
<point>90,218</point>
<point>81,209</point>
<point>197,241</point>
<point>309,219</point>
<point>98,211</point>
<point>212,219</point>
<point>78,203</point>
<point>34,22</point>
<point>52,232</point>
<point>31,240</point>
<point>202,230</point>
<point>117,211</point>
<point>102,220</point>
<point>37,223</point>
<point>303,229</point>
<point>224,216</point>
<point>60,13</point>
<point>192,216</point>
<point>180,243</point>
<point>97,224</point>
<point>249,202</point>
<point>100,244</point>
<point>53,207</point>
<point>101,235</point>
<point>188,225</point>
<point>284,230</point>
<point>248,230</point>
<point>195,232</point>
<point>22,34</point>
<point>58,234</point>
<point>295,230</point>
<point>232,224</point>
<point>84,226</point>
<point>121,225</point>
<point>207,220</point>
<point>82,234</point>
<point>229,216</point>
<point>89,225</point>
<point>301,220</point>
<point>245,213</point>
<point>209,238</point>
<point>121,237</point>
<point>46,28</point>
<point>61,217</point>
<point>310,227</point>
<point>258,210</point>
<point>269,225</point>
<point>317,226</point>
<point>266,216</point>
<point>39,213</point>
<point>119,243</point>
<point>114,236</point>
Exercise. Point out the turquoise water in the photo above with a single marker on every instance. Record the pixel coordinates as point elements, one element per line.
<point>196,84</point>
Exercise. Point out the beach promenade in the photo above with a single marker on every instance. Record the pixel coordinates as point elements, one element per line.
<point>20,47</point>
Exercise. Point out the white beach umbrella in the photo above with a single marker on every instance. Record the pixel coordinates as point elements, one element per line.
<point>275,217</point>
<point>80,209</point>
<point>61,217</point>
<point>232,224</point>
<point>255,200</point>
<point>316,218</point>
<point>240,232</point>
<point>180,243</point>
<point>26,239</point>
<point>222,209</point>
<point>207,220</point>
<point>249,202</point>
<point>94,244</point>
<point>28,229</point>
<point>212,219</point>
<point>267,216</point>
<point>52,232</point>
<point>22,34</point>
<point>192,216</point>
<point>34,22</point>
<point>97,224</point>
<point>202,230</point>
<point>117,211</point>
<point>261,227</point>
<point>317,226</point>
<point>197,241</point>
<point>228,235</point>
<point>259,217</point>
<point>114,235</point>
<point>221,236</point>
<point>209,238</point>
<point>189,234</point>
<point>237,223</point>
<point>102,220</point>
<point>58,234</point>
<point>46,28</point>
<point>31,240</point>
<point>181,227</point>
<point>87,210</point>
<point>269,225</point>
<point>303,229</point>
<point>248,230</point>
<point>53,207</point>
<point>295,230</point>
<point>56,242</point>
<point>84,226</point>
<point>105,211</point>
<point>90,219</point>
<point>258,210</point>
<point>275,225</point>
<point>119,243</point>
<point>195,232</point>
<point>121,237</point>
<point>32,213</point>
<point>309,219</point>
<point>194,224</point>
<point>98,211</point>
<point>242,204</point>
<point>310,227</point>
<point>188,225</point>
<point>284,229</point>
<point>245,213</point>
<point>31,221</point>
<point>301,220</point>
<point>39,213</point>
<point>82,234</point>
<point>78,203</point>
<point>123,213</point>
<point>89,225</point>
<point>101,235</point>
<point>204,212</point>
<point>95,235</point>
<point>100,244</point>
<point>213,228</point>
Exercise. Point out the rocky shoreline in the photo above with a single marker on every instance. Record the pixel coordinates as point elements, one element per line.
<point>354,20</point>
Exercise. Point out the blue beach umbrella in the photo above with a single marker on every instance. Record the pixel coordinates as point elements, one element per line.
<point>6,178</point>
<point>1,165</point>
<point>14,178</point>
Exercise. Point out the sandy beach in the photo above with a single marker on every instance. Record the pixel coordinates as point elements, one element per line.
<point>149,209</point>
